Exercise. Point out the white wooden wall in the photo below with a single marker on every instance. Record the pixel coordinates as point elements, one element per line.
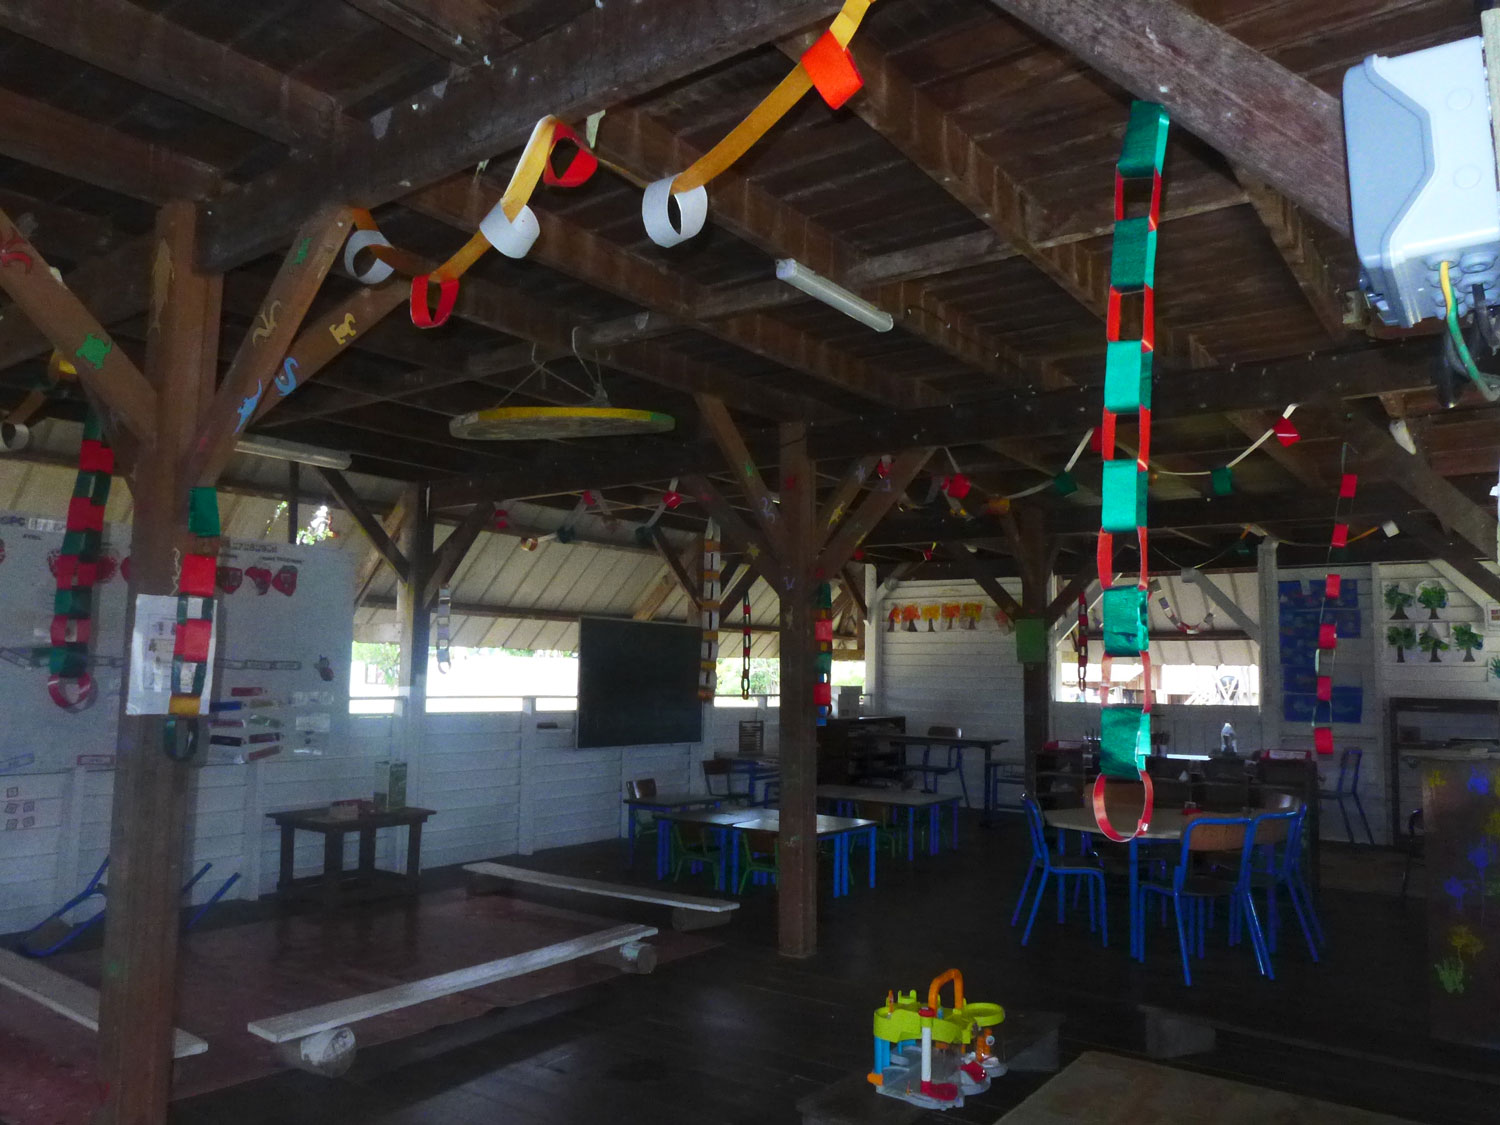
<point>502,783</point>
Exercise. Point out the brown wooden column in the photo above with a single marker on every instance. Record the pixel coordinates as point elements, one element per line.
<point>137,1000</point>
<point>1034,552</point>
<point>797,890</point>
<point>414,614</point>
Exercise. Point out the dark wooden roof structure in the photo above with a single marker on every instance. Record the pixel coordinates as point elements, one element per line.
<point>965,189</point>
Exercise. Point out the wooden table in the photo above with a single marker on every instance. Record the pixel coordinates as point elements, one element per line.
<point>1166,824</point>
<point>958,743</point>
<point>333,887</point>
<point>730,823</point>
<point>710,818</point>
<point>755,767</point>
<point>845,797</point>
<point>665,802</point>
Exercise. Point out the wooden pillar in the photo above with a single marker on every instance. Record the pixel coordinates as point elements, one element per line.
<point>416,622</point>
<point>1268,596</point>
<point>1034,553</point>
<point>150,791</point>
<point>797,893</point>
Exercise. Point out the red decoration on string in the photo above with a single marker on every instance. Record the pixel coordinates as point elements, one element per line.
<point>1331,586</point>
<point>832,70</point>
<point>957,486</point>
<point>421,315</point>
<point>1096,440</point>
<point>1328,636</point>
<point>199,573</point>
<point>1286,432</point>
<point>1341,535</point>
<point>671,499</point>
<point>502,519</point>
<point>579,169</point>
<point>859,554</point>
<point>1325,688</point>
<point>1323,740</point>
<point>1347,484</point>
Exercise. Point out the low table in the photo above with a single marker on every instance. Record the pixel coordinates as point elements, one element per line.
<point>334,886</point>
<point>846,797</point>
<point>664,802</point>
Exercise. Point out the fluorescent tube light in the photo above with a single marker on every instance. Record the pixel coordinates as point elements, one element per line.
<point>795,274</point>
<point>292,451</point>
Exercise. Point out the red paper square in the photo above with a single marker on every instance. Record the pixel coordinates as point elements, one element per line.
<point>1323,740</point>
<point>823,630</point>
<point>95,457</point>
<point>1341,535</point>
<point>1325,688</point>
<point>1331,585</point>
<point>1328,636</point>
<point>1286,432</point>
<point>192,640</point>
<point>1347,484</point>
<point>85,515</point>
<point>198,575</point>
<point>832,70</point>
<point>823,695</point>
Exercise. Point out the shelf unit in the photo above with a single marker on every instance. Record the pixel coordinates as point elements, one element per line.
<point>1444,722</point>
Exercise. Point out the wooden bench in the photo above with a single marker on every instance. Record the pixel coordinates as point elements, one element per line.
<point>72,999</point>
<point>339,1013</point>
<point>688,912</point>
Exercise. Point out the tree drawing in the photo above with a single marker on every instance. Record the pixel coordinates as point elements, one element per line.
<point>1401,638</point>
<point>1494,667</point>
<point>1432,644</point>
<point>1465,638</point>
<point>1396,600</point>
<point>1433,597</point>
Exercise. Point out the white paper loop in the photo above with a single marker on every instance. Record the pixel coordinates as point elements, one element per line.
<point>360,240</point>
<point>513,238</point>
<point>13,436</point>
<point>656,212</point>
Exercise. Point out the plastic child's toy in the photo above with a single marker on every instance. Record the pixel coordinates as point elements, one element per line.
<point>931,1056</point>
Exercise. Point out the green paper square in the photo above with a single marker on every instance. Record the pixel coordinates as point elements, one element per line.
<point>203,513</point>
<point>1124,741</point>
<point>1127,377</point>
<point>824,662</point>
<point>1064,484</point>
<point>1145,146</point>
<point>1132,265</point>
<point>1223,480</point>
<point>68,660</point>
<point>1125,631</point>
<point>1031,640</point>
<point>1124,487</point>
<point>77,602</point>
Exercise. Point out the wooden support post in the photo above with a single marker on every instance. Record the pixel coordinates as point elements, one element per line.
<point>413,611</point>
<point>150,790</point>
<point>797,898</point>
<point>293,515</point>
<point>1034,553</point>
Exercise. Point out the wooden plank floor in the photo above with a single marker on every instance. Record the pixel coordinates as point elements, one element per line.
<point>738,1034</point>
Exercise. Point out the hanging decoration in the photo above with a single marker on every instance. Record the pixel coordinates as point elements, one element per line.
<point>77,571</point>
<point>192,638</point>
<point>1325,656</point>
<point>1177,622</point>
<point>745,650</point>
<point>1125,729</point>
<point>444,625</point>
<point>708,657</point>
<point>1081,645</point>
<point>823,638</point>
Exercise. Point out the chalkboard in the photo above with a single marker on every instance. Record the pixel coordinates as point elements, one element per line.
<point>637,683</point>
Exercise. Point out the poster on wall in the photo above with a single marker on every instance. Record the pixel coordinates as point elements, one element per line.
<point>280,680</point>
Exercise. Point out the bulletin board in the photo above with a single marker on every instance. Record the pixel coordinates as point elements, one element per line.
<point>281,673</point>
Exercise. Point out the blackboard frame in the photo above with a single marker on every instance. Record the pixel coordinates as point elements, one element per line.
<point>637,683</point>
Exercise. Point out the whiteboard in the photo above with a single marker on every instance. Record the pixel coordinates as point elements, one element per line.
<point>285,633</point>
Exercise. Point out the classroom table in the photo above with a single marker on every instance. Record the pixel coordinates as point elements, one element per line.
<point>755,767</point>
<point>334,886</point>
<point>722,821</point>
<point>1166,824</point>
<point>835,828</point>
<point>959,743</point>
<point>665,802</point>
<point>845,797</point>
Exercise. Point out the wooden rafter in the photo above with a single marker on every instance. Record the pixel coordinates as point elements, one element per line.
<point>726,435</point>
<point>736,592</point>
<point>368,522</point>
<point>394,524</point>
<point>839,543</point>
<point>971,566</point>
<point>1294,240</point>
<point>112,286</point>
<point>1452,550</point>
<point>447,558</point>
<point>759,552</point>
<point>464,31</point>
<point>677,568</point>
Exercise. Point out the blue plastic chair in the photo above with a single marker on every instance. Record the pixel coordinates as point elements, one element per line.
<point>1347,788</point>
<point>1193,890</point>
<point>1059,867</point>
<point>1278,863</point>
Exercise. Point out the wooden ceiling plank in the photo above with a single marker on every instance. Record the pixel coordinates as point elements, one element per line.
<point>1255,111</point>
<point>34,132</point>
<point>262,373</point>
<point>484,110</point>
<point>156,52</point>
<point>106,371</point>
<point>1298,248</point>
<point>463,31</point>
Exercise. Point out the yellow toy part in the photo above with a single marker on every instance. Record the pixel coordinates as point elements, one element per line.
<point>531,423</point>
<point>900,1019</point>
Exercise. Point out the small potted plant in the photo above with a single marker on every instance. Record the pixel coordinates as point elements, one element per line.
<point>1401,638</point>
<point>1396,600</point>
<point>1432,644</point>
<point>1464,637</point>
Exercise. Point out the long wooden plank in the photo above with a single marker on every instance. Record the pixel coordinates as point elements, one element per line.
<point>1255,111</point>
<point>597,887</point>
<point>73,999</point>
<point>337,1013</point>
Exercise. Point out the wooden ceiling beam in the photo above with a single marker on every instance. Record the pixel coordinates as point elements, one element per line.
<point>35,132</point>
<point>462,31</point>
<point>368,522</point>
<point>1294,240</point>
<point>1255,111</point>
<point>482,110</point>
<point>157,52</point>
<point>68,235</point>
<point>112,286</point>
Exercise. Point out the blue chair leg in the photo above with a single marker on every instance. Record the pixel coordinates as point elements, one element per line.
<point>1041,893</point>
<point>1182,940</point>
<point>1293,894</point>
<point>1026,886</point>
<point>1307,901</point>
<point>1344,812</point>
<point>1246,903</point>
<point>1363,819</point>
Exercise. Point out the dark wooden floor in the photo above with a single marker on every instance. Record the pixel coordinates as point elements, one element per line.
<point>738,1035</point>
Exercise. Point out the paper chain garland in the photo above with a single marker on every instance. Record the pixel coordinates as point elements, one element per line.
<point>708,660</point>
<point>192,638</point>
<point>1125,729</point>
<point>512,228</point>
<point>77,570</point>
<point>444,626</point>
<point>823,637</point>
<point>745,652</point>
<point>1328,636</point>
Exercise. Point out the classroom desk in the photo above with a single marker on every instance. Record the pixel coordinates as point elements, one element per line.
<point>722,821</point>
<point>1166,825</point>
<point>835,828</point>
<point>959,743</point>
<point>845,797</point>
<point>755,767</point>
<point>333,887</point>
<point>664,802</point>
